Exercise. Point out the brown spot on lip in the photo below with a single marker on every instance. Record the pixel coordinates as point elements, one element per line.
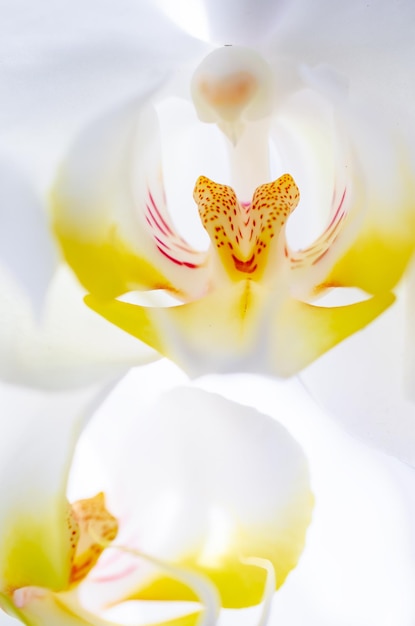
<point>245,266</point>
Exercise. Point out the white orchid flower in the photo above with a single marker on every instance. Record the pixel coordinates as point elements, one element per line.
<point>245,303</point>
<point>209,501</point>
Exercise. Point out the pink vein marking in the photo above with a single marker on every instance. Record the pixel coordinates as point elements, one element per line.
<point>162,243</point>
<point>328,237</point>
<point>115,576</point>
<point>164,227</point>
<point>162,220</point>
<point>185,247</point>
<point>185,263</point>
<point>156,223</point>
<point>338,209</point>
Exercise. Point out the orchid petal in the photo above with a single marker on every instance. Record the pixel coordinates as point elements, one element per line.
<point>35,546</point>
<point>269,588</point>
<point>373,42</point>
<point>92,188</point>
<point>68,347</point>
<point>26,248</point>
<point>355,165</point>
<point>304,332</point>
<point>109,209</point>
<point>245,22</point>
<point>366,383</point>
<point>45,103</point>
<point>248,327</point>
<point>377,259</point>
<point>247,495</point>
<point>384,244</point>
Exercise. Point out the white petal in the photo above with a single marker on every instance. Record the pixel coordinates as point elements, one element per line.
<point>68,347</point>
<point>189,16</point>
<point>371,43</point>
<point>38,438</point>
<point>245,22</point>
<point>362,500</point>
<point>63,64</point>
<point>204,483</point>
<point>110,213</point>
<point>26,247</point>
<point>338,152</point>
<point>363,384</point>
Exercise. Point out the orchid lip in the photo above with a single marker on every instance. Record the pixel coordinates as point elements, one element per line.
<point>243,235</point>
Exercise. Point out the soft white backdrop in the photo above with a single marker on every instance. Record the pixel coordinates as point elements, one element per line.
<point>58,60</point>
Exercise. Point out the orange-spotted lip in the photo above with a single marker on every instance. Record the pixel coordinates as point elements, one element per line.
<point>243,235</point>
<point>90,526</point>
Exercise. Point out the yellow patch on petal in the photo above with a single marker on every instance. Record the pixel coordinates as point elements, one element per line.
<point>376,261</point>
<point>243,236</point>
<point>224,324</point>
<point>37,552</point>
<point>303,332</point>
<point>140,322</point>
<point>108,268</point>
<point>240,584</point>
<point>92,527</point>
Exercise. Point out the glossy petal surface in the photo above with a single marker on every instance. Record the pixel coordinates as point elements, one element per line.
<point>26,247</point>
<point>67,346</point>
<point>246,22</point>
<point>367,384</point>
<point>206,485</point>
